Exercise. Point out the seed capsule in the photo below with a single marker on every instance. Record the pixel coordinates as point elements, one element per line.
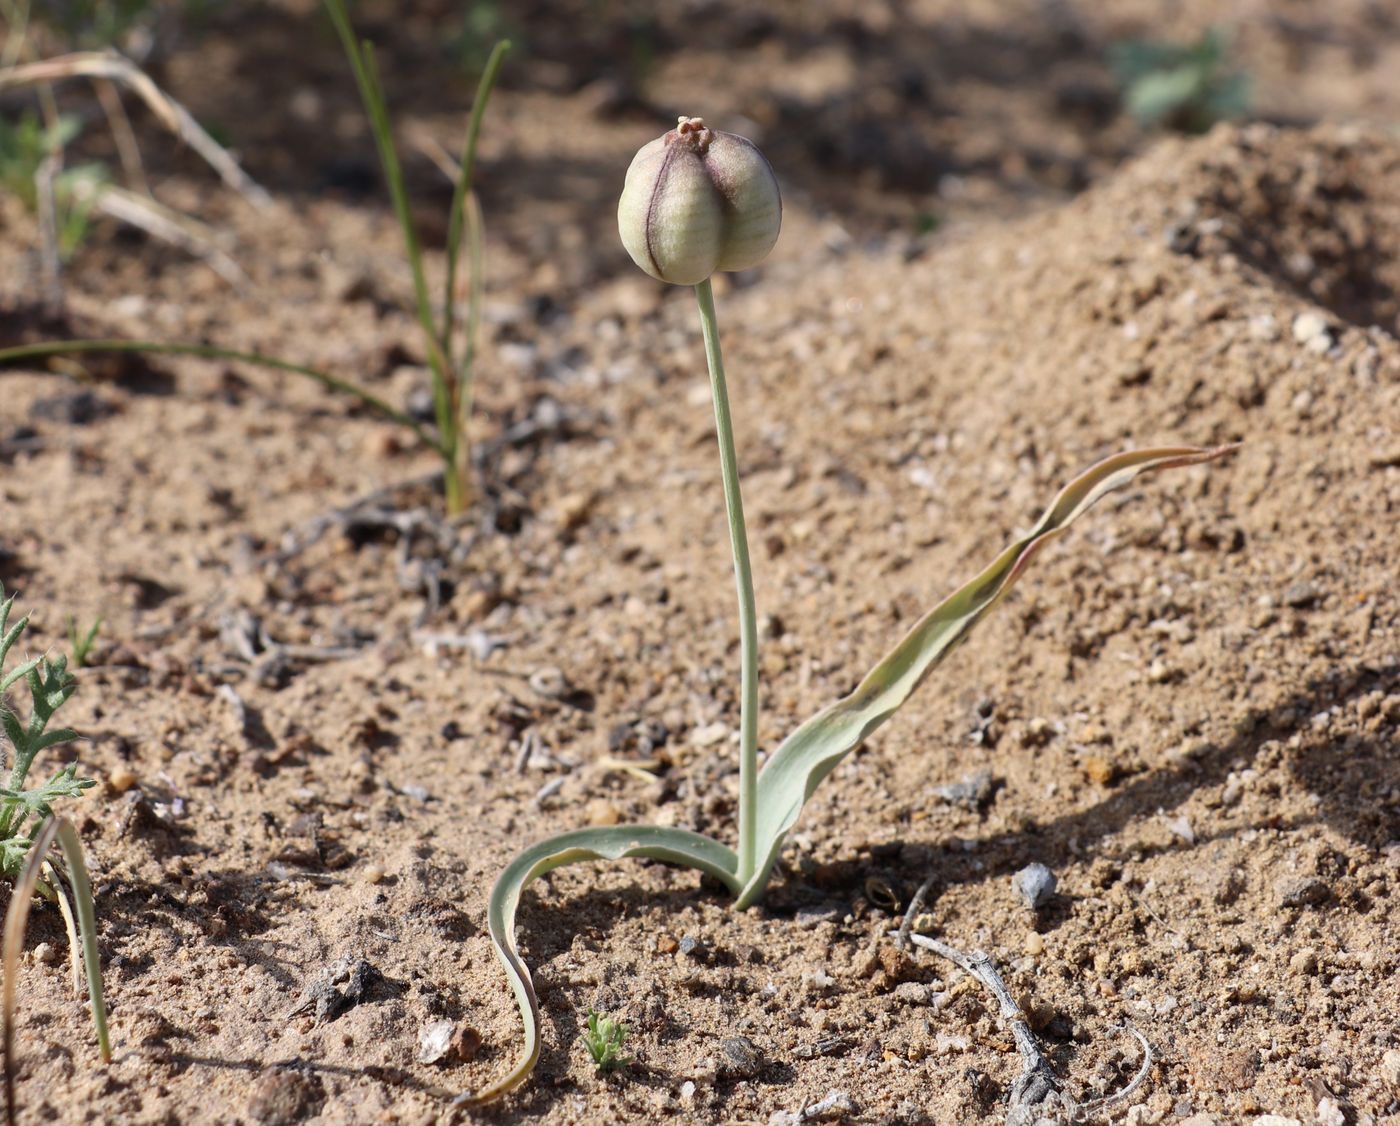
<point>697,201</point>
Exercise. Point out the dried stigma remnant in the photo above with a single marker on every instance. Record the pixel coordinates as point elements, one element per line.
<point>697,201</point>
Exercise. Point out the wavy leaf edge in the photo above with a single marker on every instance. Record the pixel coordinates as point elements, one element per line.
<point>617,842</point>
<point>804,759</point>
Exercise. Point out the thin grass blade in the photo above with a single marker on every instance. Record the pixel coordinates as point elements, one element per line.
<point>811,752</point>
<point>675,846</point>
<point>72,847</point>
<point>70,926</point>
<point>462,185</point>
<point>362,62</point>
<point>16,920</point>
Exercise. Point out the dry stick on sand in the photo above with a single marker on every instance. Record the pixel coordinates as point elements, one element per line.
<point>47,207</point>
<point>1036,1089</point>
<point>168,225</point>
<point>115,68</point>
<point>123,135</point>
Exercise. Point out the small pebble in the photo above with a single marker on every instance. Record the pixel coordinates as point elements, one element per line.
<point>1035,945</point>
<point>434,1039</point>
<point>1330,1113</point>
<point>1390,1068</point>
<point>383,443</point>
<point>665,944</point>
<point>911,993</point>
<point>285,1096</point>
<point>121,780</point>
<point>373,874</point>
<point>1303,963</point>
<point>971,792</point>
<point>740,1057</point>
<point>1181,827</point>
<point>1034,885</point>
<point>602,812</point>
<point>1098,769</point>
<point>688,945</point>
<point>1301,891</point>
<point>1300,595</point>
<point>573,510</point>
<point>549,682</point>
<point>709,735</point>
<point>1311,330</point>
<point>45,953</point>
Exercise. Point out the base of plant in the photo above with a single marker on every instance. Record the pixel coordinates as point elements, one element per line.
<point>794,771</point>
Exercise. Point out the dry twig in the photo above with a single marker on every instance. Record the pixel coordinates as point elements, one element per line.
<point>1036,1093</point>
<point>109,65</point>
<point>170,226</point>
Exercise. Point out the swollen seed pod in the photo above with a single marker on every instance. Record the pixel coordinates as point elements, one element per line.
<point>697,201</point>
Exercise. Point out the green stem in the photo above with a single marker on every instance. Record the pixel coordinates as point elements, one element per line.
<point>464,204</point>
<point>743,581</point>
<point>460,190</point>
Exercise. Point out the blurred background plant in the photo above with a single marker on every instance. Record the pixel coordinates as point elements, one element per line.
<point>1185,87</point>
<point>450,327</point>
<point>26,147</point>
<point>483,25</point>
<point>104,43</point>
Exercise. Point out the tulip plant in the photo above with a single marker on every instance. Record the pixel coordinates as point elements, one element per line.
<point>697,201</point>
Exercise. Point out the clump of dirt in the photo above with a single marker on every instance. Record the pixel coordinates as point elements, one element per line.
<point>1321,225</point>
<point>321,742</point>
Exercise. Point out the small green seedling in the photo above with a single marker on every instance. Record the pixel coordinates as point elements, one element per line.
<point>604,1038</point>
<point>28,829</point>
<point>450,346</point>
<point>63,198</point>
<point>1183,87</point>
<point>50,684</point>
<point>697,201</point>
<point>82,643</point>
<point>25,145</point>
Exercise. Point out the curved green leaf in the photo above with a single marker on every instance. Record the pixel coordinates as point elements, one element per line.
<point>16,920</point>
<point>675,846</point>
<point>811,752</point>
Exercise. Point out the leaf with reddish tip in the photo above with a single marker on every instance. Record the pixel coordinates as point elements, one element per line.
<point>814,750</point>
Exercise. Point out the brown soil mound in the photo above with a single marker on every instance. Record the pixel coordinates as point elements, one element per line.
<point>1188,708</point>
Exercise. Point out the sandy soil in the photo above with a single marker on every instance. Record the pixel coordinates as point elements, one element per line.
<point>312,748</point>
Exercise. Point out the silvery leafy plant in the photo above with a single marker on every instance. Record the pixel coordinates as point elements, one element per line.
<point>697,201</point>
<point>29,830</point>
